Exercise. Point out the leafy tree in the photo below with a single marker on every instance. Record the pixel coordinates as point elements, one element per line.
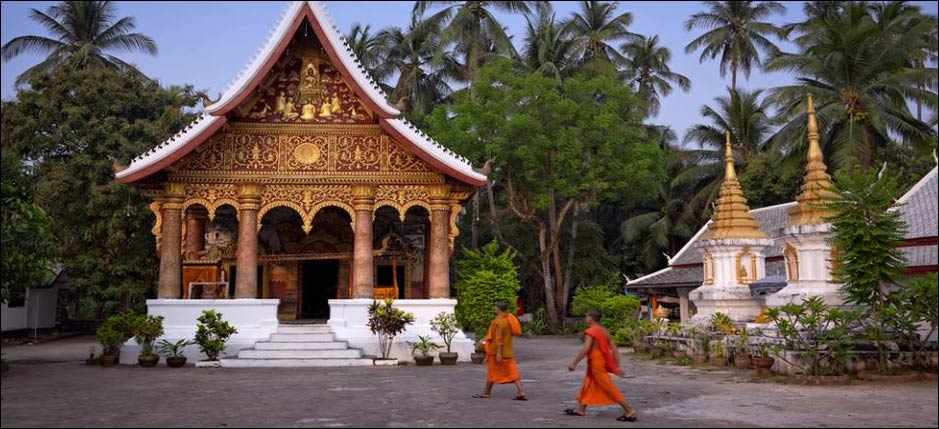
<point>484,277</point>
<point>70,131</point>
<point>83,34</point>
<point>616,308</point>
<point>863,76</point>
<point>549,48</point>
<point>598,27</point>
<point>557,145</point>
<point>647,66</point>
<point>736,31</point>
<point>768,180</point>
<point>371,50</point>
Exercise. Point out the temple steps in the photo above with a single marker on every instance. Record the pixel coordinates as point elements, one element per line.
<point>299,346</point>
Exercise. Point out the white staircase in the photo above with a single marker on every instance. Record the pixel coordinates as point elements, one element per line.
<point>299,346</point>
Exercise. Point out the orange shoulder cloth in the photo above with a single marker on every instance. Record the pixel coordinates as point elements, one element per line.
<point>606,349</point>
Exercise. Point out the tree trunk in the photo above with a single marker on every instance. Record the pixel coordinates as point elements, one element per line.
<point>545,256</point>
<point>474,223</point>
<point>492,211</point>
<point>571,250</point>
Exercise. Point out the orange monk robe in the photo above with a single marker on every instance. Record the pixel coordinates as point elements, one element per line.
<point>500,334</point>
<point>598,388</point>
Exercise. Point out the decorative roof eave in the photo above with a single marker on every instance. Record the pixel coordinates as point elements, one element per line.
<point>171,150</point>
<point>335,45</point>
<point>432,152</point>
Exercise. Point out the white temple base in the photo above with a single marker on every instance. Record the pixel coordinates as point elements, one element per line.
<point>734,301</point>
<point>814,267</point>
<point>255,320</point>
<point>799,291</point>
<point>348,318</point>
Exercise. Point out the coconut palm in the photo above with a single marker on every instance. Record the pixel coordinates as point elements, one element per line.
<point>746,115</point>
<point>863,76</point>
<point>83,33</point>
<point>735,31</point>
<point>598,28</point>
<point>423,81</point>
<point>548,48</point>
<point>646,64</point>
<point>472,28</point>
<point>370,50</point>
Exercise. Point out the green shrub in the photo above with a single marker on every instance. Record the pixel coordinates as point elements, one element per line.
<point>820,335</point>
<point>212,332</point>
<point>484,277</point>
<point>148,329</point>
<point>616,307</point>
<point>116,330</point>
<point>387,322</point>
<point>445,325</point>
<point>110,339</point>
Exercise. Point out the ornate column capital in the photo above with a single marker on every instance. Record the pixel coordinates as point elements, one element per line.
<point>363,197</point>
<point>439,196</point>
<point>173,195</point>
<point>249,197</point>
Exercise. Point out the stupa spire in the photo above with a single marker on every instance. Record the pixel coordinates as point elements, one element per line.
<point>732,218</point>
<point>817,183</point>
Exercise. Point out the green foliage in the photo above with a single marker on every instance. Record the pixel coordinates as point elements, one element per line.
<point>116,330</point>
<point>721,322</point>
<point>908,308</point>
<point>174,348</point>
<point>148,329</point>
<point>66,133</point>
<point>683,361</point>
<point>445,325</point>
<point>616,307</point>
<point>484,277</point>
<point>423,346</point>
<point>718,349</point>
<point>820,335</point>
<point>111,340</point>
<point>768,181</point>
<point>387,322</point>
<point>212,332</point>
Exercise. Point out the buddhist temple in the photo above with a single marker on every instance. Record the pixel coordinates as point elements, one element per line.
<point>302,194</point>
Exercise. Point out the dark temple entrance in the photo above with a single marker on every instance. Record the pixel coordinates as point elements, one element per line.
<point>320,280</point>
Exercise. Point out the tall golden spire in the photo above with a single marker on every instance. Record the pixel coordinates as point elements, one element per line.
<point>817,183</point>
<point>732,218</point>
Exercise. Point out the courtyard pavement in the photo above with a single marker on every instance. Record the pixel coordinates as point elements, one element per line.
<point>49,386</point>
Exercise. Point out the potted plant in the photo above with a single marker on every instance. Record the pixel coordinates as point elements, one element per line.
<point>387,322</point>
<point>703,341</point>
<point>445,325</point>
<point>722,323</point>
<point>146,332</point>
<point>211,334</point>
<point>92,359</point>
<point>111,341</point>
<point>422,349</point>
<point>174,352</point>
<point>479,356</point>
<point>741,351</point>
<point>762,360</point>
<point>719,358</point>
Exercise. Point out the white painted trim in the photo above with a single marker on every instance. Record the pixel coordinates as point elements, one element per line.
<point>435,149</point>
<point>649,276</point>
<point>170,146</point>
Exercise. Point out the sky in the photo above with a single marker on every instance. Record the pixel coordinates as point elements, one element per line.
<point>207,43</point>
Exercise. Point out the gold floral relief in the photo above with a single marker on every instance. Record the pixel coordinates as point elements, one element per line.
<point>358,153</point>
<point>708,266</point>
<point>211,197</point>
<point>402,198</point>
<point>255,152</point>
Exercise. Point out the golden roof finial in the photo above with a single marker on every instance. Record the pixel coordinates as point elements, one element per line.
<point>732,218</point>
<point>817,183</point>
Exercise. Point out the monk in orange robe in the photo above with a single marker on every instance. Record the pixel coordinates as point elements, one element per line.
<point>602,359</point>
<point>500,357</point>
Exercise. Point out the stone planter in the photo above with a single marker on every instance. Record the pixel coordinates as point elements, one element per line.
<point>719,361</point>
<point>108,360</point>
<point>742,362</point>
<point>176,361</point>
<point>478,358</point>
<point>700,359</point>
<point>763,365</point>
<point>209,364</point>
<point>385,362</point>
<point>448,358</point>
<point>148,361</point>
<point>424,360</point>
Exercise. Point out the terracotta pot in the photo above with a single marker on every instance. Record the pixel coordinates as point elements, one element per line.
<point>478,358</point>
<point>424,360</point>
<point>719,361</point>
<point>148,361</point>
<point>176,361</point>
<point>108,360</point>
<point>700,359</point>
<point>763,364</point>
<point>742,362</point>
<point>448,358</point>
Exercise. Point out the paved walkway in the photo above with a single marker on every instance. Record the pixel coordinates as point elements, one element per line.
<point>45,388</point>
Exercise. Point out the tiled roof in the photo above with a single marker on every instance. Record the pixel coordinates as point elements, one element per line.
<point>772,219</point>
<point>919,208</point>
<point>921,256</point>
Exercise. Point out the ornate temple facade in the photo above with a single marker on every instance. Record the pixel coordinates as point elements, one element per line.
<point>302,194</point>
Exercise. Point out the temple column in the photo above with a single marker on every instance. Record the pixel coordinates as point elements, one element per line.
<point>683,304</point>
<point>170,283</point>
<point>363,265</point>
<point>249,202</point>
<point>439,258</point>
<point>195,230</point>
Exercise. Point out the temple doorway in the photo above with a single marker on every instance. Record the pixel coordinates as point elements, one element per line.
<point>320,283</point>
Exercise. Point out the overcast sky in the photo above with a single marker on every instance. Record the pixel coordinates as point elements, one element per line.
<point>206,43</point>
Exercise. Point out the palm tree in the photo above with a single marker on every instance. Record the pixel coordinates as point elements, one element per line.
<point>423,73</point>
<point>598,27</point>
<point>863,75</point>
<point>472,27</point>
<point>736,33</point>
<point>83,32</point>
<point>746,115</point>
<point>647,65</point>
<point>370,50</point>
<point>548,49</point>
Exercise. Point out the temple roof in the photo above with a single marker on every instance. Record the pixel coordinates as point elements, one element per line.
<point>344,60</point>
<point>918,207</point>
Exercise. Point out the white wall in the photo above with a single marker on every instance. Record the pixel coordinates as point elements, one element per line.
<point>37,313</point>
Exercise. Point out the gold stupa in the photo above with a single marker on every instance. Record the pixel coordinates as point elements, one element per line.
<point>732,218</point>
<point>817,183</point>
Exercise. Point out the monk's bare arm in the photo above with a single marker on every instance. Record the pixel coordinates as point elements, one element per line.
<point>588,344</point>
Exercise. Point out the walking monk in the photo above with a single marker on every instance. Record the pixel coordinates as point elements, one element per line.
<point>602,359</point>
<point>500,358</point>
